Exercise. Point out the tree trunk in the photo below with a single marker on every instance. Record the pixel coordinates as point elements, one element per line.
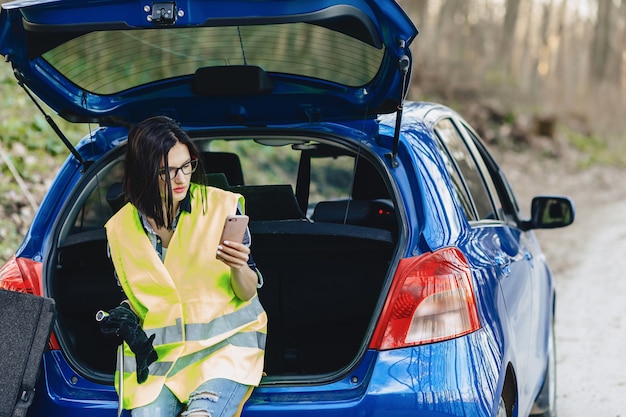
<point>601,44</point>
<point>508,33</point>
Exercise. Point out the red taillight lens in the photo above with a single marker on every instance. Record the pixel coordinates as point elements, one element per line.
<point>22,275</point>
<point>431,299</point>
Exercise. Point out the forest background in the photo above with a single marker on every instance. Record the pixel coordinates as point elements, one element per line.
<point>538,79</point>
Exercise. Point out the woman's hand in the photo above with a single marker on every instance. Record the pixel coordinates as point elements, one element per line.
<point>242,278</point>
<point>233,254</point>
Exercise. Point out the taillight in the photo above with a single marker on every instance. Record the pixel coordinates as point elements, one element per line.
<point>22,275</point>
<point>431,299</point>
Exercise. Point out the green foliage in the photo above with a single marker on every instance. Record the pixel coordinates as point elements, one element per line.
<point>597,150</point>
<point>9,239</point>
<point>32,147</point>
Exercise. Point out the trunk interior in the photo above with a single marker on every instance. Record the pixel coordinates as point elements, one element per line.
<point>323,274</point>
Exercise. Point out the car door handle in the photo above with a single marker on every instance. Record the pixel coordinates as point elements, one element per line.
<point>504,264</point>
<point>529,257</point>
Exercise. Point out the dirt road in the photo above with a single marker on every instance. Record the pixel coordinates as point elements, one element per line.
<point>591,310</point>
<point>588,260</point>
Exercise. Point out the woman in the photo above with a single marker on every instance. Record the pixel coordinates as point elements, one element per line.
<point>195,296</point>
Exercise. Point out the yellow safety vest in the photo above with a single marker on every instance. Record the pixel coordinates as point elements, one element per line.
<point>203,330</point>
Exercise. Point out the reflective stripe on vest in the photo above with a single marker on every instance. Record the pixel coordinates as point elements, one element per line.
<point>202,330</point>
<point>249,340</point>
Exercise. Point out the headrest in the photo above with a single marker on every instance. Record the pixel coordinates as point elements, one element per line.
<point>217,180</point>
<point>226,163</point>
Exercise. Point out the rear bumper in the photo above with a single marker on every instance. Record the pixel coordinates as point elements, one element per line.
<point>452,378</point>
<point>459,377</point>
<point>61,392</point>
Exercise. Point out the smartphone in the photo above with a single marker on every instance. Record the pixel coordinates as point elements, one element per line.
<point>234,228</point>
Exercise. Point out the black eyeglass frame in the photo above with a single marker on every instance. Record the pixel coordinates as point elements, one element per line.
<point>193,164</point>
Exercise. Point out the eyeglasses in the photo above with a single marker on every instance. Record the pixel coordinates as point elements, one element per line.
<point>187,169</point>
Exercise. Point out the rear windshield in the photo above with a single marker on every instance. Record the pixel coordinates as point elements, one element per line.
<point>108,62</point>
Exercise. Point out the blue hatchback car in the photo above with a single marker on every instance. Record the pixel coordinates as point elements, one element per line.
<point>401,277</point>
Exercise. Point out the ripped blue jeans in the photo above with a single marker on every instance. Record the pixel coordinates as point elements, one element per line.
<point>214,398</point>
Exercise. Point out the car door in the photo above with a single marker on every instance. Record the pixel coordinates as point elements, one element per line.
<point>496,240</point>
<point>539,314</point>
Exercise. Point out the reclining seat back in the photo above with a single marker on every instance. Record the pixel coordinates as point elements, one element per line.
<point>263,202</point>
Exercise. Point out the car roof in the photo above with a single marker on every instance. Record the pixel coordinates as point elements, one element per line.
<point>209,62</point>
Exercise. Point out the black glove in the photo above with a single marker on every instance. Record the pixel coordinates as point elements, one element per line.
<point>123,324</point>
<point>110,323</point>
<point>144,356</point>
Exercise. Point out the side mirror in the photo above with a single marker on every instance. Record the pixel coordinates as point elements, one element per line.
<point>549,212</point>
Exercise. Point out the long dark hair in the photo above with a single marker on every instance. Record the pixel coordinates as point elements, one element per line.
<point>149,143</point>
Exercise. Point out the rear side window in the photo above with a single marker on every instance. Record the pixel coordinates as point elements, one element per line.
<point>331,178</point>
<point>457,182</point>
<point>464,171</point>
<point>499,188</point>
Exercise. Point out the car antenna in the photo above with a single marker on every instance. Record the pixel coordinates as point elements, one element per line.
<point>404,64</point>
<point>53,125</point>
